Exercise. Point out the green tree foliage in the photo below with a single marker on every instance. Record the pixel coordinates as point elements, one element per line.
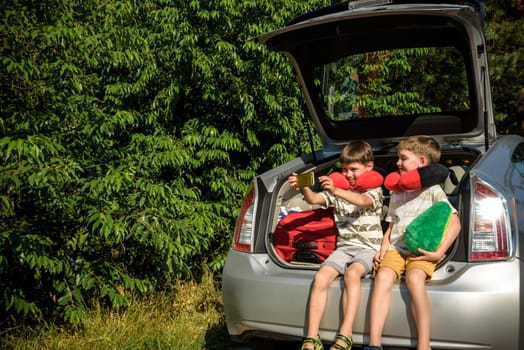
<point>129,134</point>
<point>505,40</point>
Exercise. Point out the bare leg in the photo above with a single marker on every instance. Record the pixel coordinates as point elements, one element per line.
<point>350,298</point>
<point>380,303</point>
<point>420,306</point>
<point>318,298</point>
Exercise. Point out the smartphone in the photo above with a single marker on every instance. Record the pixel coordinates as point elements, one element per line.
<point>306,179</point>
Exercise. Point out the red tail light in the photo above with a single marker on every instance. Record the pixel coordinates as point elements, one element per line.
<point>245,223</point>
<point>490,228</point>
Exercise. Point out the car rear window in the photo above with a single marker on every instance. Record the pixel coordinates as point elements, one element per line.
<point>393,83</point>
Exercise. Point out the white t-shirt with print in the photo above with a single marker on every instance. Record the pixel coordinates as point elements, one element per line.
<point>405,206</point>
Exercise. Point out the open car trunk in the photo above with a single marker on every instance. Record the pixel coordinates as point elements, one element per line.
<point>302,235</point>
<point>401,70</point>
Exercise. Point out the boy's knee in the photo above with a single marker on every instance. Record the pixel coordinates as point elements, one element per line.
<point>415,277</point>
<point>385,276</point>
<point>354,271</point>
<point>322,279</point>
<point>352,279</point>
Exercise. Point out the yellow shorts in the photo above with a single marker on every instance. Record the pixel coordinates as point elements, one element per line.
<point>400,264</point>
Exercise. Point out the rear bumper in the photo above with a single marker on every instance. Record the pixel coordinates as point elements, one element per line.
<point>474,306</point>
<point>261,296</point>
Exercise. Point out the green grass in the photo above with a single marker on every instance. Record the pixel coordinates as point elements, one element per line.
<point>191,317</point>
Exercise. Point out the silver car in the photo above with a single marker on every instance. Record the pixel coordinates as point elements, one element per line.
<point>382,71</point>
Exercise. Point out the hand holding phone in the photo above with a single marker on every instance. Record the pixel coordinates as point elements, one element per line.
<point>305,179</point>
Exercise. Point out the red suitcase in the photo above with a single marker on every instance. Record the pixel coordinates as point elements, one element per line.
<point>308,236</point>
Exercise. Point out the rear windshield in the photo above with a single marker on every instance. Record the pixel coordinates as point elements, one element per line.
<point>393,83</point>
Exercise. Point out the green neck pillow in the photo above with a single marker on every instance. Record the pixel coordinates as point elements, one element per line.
<point>427,230</point>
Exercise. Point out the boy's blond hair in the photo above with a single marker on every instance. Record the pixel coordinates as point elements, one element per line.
<point>422,146</point>
<point>357,151</point>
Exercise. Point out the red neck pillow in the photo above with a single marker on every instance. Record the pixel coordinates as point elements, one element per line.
<point>368,180</point>
<point>416,179</point>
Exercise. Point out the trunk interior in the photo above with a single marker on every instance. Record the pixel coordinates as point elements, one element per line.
<point>458,161</point>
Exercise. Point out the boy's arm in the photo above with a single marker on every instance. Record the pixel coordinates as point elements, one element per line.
<point>356,198</point>
<point>384,246</point>
<point>313,197</point>
<point>309,196</point>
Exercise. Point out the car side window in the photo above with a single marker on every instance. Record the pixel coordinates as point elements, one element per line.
<point>518,159</point>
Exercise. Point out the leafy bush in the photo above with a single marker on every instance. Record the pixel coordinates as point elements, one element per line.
<point>129,134</point>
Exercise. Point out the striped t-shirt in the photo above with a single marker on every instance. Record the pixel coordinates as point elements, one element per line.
<point>358,226</point>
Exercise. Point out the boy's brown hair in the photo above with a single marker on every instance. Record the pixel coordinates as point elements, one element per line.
<point>357,151</point>
<point>422,146</point>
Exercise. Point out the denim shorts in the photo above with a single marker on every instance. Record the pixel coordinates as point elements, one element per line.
<point>344,256</point>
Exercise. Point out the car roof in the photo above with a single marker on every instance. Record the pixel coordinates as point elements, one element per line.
<point>332,32</point>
